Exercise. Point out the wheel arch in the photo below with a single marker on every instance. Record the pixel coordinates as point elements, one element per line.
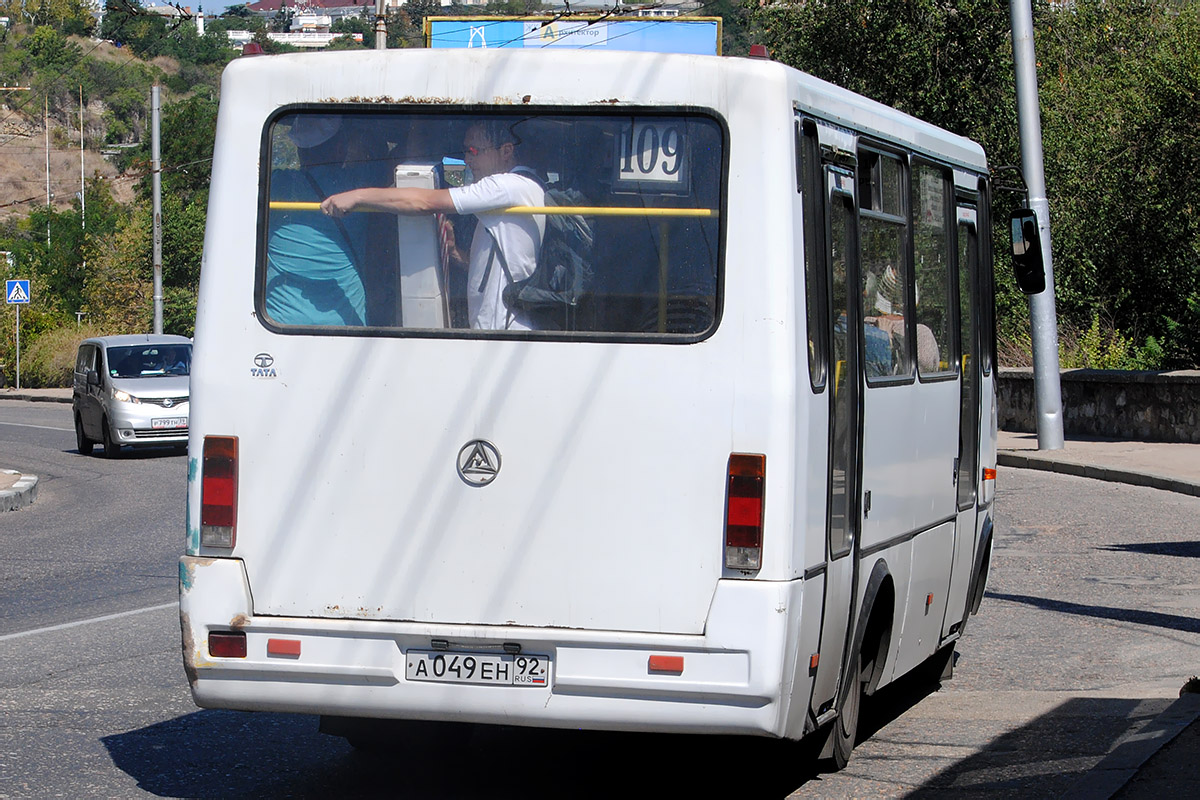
<point>873,634</point>
<point>983,565</point>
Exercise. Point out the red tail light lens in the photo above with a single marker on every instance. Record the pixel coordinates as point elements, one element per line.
<point>218,492</point>
<point>744,511</point>
<point>227,645</point>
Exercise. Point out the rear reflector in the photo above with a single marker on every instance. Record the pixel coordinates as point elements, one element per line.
<point>283,647</point>
<point>231,644</point>
<point>672,664</point>
<point>218,492</point>
<point>744,511</point>
<point>989,474</point>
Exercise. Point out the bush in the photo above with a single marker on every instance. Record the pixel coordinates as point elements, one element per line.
<point>50,360</point>
<point>1100,346</point>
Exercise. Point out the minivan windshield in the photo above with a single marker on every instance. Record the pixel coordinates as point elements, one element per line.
<point>149,360</point>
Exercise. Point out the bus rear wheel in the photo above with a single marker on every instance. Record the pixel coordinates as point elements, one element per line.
<point>844,731</point>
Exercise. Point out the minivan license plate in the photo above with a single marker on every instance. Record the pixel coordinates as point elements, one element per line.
<point>168,422</point>
<point>500,669</point>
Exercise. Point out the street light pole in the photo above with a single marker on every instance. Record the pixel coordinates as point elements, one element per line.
<point>380,25</point>
<point>156,189</point>
<point>1043,318</point>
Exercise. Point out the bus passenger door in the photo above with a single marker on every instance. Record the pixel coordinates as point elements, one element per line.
<point>844,478</point>
<point>968,474</point>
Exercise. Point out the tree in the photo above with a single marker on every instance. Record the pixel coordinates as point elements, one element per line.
<point>1120,93</point>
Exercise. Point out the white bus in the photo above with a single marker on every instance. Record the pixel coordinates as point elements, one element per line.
<point>744,478</point>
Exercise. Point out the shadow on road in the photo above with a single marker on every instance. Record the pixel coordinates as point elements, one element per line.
<point>222,754</point>
<point>227,754</point>
<point>1045,757</point>
<point>1156,619</point>
<point>1178,549</point>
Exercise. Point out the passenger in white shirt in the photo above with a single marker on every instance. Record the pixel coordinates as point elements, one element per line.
<point>490,151</point>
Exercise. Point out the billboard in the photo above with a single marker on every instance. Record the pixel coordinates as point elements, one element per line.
<point>694,35</point>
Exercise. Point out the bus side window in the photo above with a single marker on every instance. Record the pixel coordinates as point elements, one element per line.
<point>884,264</point>
<point>809,183</point>
<point>931,207</point>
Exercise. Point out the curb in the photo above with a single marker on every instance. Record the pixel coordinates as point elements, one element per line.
<point>1117,768</point>
<point>1020,461</point>
<point>33,398</point>
<point>23,492</point>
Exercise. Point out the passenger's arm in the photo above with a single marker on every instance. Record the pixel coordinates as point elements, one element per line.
<point>393,199</point>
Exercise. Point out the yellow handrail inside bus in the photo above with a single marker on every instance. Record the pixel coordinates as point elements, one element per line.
<point>586,211</point>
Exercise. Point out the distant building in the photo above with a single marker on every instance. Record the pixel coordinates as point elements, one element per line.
<point>335,9</point>
<point>171,12</point>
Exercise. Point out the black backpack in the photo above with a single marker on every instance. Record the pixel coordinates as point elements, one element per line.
<point>550,298</point>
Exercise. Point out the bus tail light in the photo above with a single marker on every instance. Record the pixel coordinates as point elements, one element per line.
<point>231,644</point>
<point>744,511</point>
<point>218,492</point>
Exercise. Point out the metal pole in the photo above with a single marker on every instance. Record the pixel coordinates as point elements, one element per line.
<point>18,346</point>
<point>82,195</point>
<point>156,172</point>
<point>380,25</point>
<point>48,208</point>
<point>1047,391</point>
<point>82,192</point>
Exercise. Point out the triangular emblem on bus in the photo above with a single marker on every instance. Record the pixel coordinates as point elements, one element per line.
<point>478,462</point>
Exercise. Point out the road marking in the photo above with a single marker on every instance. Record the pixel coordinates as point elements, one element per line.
<point>43,427</point>
<point>77,623</point>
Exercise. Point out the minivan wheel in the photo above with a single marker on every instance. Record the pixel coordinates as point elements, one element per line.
<point>111,449</point>
<point>82,443</point>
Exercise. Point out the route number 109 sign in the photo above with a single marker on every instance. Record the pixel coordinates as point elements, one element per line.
<point>652,156</point>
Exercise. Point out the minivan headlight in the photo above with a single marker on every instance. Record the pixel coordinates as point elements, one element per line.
<point>124,397</point>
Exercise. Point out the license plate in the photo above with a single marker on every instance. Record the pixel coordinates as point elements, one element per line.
<point>499,669</point>
<point>168,422</point>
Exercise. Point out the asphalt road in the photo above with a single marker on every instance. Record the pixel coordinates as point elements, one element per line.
<point>1088,630</point>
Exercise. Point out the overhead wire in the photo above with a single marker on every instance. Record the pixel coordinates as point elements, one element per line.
<point>185,15</point>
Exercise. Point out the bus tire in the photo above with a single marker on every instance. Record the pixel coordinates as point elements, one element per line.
<point>844,731</point>
<point>82,443</point>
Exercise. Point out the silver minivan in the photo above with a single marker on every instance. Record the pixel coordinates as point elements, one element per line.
<point>131,390</point>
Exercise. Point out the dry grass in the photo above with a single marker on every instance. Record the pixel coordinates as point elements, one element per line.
<point>23,173</point>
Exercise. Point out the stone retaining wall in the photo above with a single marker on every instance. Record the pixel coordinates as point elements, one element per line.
<point>1144,406</point>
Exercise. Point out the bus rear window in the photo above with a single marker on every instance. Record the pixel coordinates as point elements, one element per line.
<point>546,224</point>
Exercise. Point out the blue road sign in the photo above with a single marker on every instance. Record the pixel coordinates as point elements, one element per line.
<point>16,291</point>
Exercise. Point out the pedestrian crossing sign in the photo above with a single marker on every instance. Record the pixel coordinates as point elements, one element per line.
<point>16,291</point>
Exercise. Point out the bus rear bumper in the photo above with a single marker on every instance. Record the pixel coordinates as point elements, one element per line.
<point>733,676</point>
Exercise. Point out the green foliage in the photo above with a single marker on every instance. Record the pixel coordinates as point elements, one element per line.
<point>130,26</point>
<point>1119,85</point>
<point>50,360</point>
<point>183,241</point>
<point>51,50</point>
<point>36,320</point>
<point>179,310</point>
<point>347,42</point>
<point>1095,347</point>
<point>1120,92</point>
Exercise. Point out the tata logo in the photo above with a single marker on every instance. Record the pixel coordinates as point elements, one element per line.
<point>262,366</point>
<point>478,462</point>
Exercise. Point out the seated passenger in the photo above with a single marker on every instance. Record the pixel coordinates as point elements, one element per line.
<point>313,262</point>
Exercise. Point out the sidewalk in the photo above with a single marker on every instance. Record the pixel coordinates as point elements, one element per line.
<point>1173,467</point>
<point>1161,760</point>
